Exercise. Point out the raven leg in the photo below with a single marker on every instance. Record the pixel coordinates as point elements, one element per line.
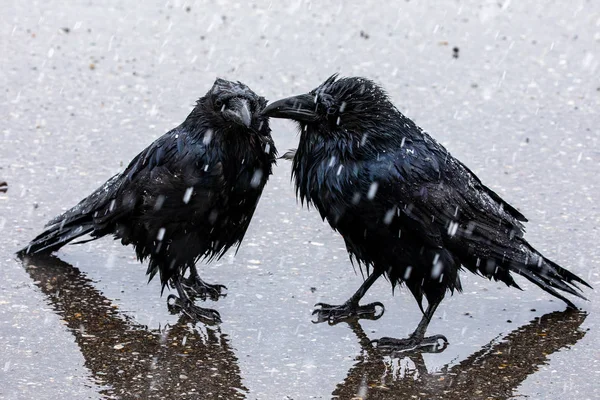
<point>185,305</point>
<point>351,309</point>
<point>196,287</point>
<point>417,341</point>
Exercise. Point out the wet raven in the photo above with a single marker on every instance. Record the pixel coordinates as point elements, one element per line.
<point>189,195</point>
<point>405,207</point>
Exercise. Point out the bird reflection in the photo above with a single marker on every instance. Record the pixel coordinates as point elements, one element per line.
<point>127,359</point>
<point>492,372</point>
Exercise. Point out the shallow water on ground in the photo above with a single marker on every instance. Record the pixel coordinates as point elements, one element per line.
<point>518,106</point>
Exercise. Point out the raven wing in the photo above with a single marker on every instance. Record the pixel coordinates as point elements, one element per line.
<point>423,189</point>
<point>168,174</point>
<point>146,183</point>
<point>117,197</point>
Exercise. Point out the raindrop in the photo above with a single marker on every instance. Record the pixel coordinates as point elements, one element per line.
<point>362,390</point>
<point>407,273</point>
<point>437,267</point>
<point>332,161</point>
<point>161,234</point>
<point>188,194</point>
<point>256,178</point>
<point>208,136</point>
<point>267,148</point>
<point>365,136</point>
<point>153,111</point>
<point>389,216</point>
<point>452,228</point>
<point>160,200</point>
<point>372,190</point>
<point>164,336</point>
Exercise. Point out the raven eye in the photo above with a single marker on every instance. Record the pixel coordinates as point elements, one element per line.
<point>218,103</point>
<point>331,110</point>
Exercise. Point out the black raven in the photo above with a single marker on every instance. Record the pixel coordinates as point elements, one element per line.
<point>405,207</point>
<point>189,195</point>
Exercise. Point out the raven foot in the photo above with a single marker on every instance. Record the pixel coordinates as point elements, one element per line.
<point>195,313</point>
<point>196,287</point>
<point>431,344</point>
<point>347,311</point>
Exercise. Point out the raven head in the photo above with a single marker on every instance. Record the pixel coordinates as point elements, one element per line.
<point>346,106</point>
<point>232,102</point>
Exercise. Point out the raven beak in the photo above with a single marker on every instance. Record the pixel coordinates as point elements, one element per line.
<point>240,112</point>
<point>299,108</point>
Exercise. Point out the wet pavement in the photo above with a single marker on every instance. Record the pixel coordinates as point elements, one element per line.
<point>509,88</point>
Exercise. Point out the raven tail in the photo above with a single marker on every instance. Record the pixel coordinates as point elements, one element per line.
<point>57,235</point>
<point>548,275</point>
<point>521,258</point>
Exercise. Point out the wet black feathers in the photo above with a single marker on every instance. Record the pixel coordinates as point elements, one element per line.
<point>189,195</point>
<point>403,204</point>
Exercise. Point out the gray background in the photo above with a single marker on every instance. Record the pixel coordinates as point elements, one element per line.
<point>518,106</point>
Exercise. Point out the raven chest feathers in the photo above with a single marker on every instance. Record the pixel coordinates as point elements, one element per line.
<point>322,179</point>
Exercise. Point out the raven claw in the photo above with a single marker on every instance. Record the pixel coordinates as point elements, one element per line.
<point>335,314</point>
<point>431,344</point>
<point>196,287</point>
<point>195,313</point>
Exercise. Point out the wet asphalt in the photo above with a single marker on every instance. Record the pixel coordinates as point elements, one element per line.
<point>510,88</point>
